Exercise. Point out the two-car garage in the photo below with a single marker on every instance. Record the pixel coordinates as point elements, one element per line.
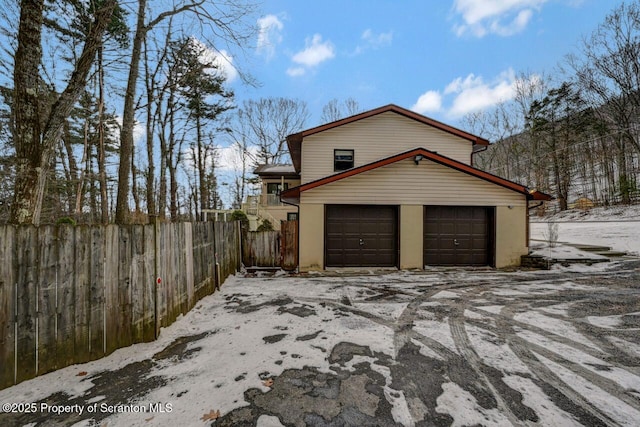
<point>408,197</point>
<point>369,235</point>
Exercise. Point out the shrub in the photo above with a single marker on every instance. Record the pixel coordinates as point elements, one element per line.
<point>239,215</point>
<point>265,226</point>
<point>66,220</point>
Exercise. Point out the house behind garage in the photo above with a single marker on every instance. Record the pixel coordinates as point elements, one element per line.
<point>392,188</point>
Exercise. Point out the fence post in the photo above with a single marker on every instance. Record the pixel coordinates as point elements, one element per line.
<point>216,279</point>
<point>239,245</point>
<point>156,269</point>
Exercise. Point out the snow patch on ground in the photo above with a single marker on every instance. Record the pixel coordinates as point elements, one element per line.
<point>618,410</point>
<point>602,213</point>
<point>494,351</point>
<point>553,325</point>
<point>619,227</point>
<point>464,409</point>
<point>534,397</point>
<point>612,322</point>
<point>560,252</point>
<point>597,366</point>
<point>438,331</point>
<point>632,349</point>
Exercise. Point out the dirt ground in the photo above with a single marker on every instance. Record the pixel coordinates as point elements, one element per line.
<point>434,348</point>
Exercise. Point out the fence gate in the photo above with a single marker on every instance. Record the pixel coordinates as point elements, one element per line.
<point>261,249</point>
<point>289,245</point>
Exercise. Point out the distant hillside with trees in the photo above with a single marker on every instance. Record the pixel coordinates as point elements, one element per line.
<point>576,137</point>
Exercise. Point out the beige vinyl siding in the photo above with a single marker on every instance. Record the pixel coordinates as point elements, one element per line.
<point>375,138</point>
<point>405,183</point>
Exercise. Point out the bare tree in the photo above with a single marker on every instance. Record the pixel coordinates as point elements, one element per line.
<point>224,20</point>
<point>607,68</point>
<point>269,121</point>
<point>334,111</point>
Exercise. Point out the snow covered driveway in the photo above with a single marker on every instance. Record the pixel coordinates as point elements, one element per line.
<point>442,347</point>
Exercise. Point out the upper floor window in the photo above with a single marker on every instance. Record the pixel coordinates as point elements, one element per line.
<point>276,188</point>
<point>342,160</point>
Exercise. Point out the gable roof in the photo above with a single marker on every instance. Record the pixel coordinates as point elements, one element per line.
<point>294,141</point>
<point>292,195</point>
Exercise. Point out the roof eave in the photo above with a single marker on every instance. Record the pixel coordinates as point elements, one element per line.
<point>294,143</point>
<point>539,195</point>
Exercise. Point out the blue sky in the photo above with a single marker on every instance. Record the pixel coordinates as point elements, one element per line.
<point>441,58</point>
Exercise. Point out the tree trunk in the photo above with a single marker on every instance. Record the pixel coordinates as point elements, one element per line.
<point>85,156</point>
<point>102,169</point>
<point>151,171</point>
<point>73,166</point>
<point>35,148</point>
<point>25,111</point>
<point>128,120</point>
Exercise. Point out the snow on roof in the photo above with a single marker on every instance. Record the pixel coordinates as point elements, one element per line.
<point>273,169</point>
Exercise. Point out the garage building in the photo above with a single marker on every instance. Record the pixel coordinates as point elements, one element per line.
<point>392,188</point>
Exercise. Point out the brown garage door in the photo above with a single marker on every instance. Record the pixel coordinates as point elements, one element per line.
<point>361,236</point>
<point>458,235</point>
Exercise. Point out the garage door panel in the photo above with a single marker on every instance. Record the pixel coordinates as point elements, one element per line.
<point>445,245</point>
<point>456,235</point>
<point>463,228</point>
<point>361,235</point>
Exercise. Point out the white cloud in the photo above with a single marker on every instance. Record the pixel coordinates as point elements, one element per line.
<point>296,71</point>
<point>459,84</point>
<point>518,24</point>
<point>464,95</point>
<point>315,52</point>
<point>428,102</point>
<point>139,131</point>
<point>269,28</point>
<point>473,94</point>
<point>373,41</point>
<point>221,59</point>
<point>377,40</point>
<point>224,62</point>
<point>230,157</point>
<point>502,17</point>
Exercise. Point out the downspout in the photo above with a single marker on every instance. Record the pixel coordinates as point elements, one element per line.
<point>483,148</point>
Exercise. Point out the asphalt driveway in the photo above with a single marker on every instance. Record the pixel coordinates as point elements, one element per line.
<point>442,347</point>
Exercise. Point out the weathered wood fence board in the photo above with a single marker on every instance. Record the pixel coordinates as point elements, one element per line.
<point>261,248</point>
<point>73,294</point>
<point>46,300</point>
<point>66,308</point>
<point>227,250</point>
<point>27,263</point>
<point>97,293</point>
<point>148,283</point>
<point>7,304</point>
<point>80,282</point>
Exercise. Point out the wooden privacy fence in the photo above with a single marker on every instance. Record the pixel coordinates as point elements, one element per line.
<point>71,294</point>
<point>272,248</point>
